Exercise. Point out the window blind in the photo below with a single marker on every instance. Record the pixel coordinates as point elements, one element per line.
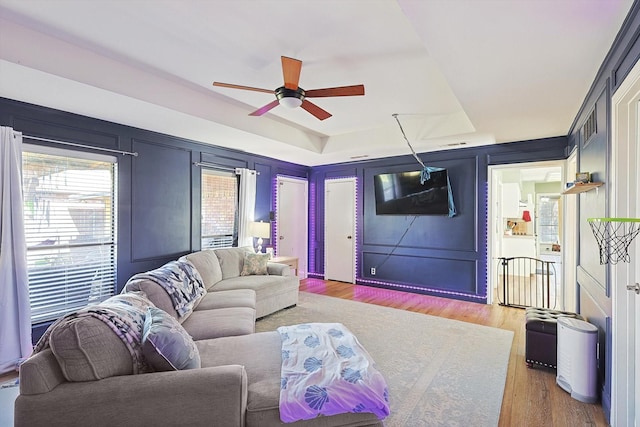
<point>70,220</point>
<point>219,209</point>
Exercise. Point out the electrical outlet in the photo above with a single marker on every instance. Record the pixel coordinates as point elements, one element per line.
<point>373,271</point>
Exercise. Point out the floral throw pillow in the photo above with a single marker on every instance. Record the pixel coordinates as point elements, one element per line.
<point>255,264</point>
<point>165,343</point>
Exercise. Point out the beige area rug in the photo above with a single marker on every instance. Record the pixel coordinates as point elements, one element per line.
<point>440,372</point>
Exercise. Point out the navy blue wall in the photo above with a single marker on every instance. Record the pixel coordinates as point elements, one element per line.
<point>158,191</point>
<point>438,255</point>
<point>594,287</point>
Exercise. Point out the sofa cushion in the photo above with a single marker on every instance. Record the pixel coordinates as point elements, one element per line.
<point>232,260</point>
<point>264,286</point>
<point>222,322</point>
<point>263,375</point>
<point>87,349</point>
<point>155,293</point>
<point>181,281</point>
<point>100,340</point>
<point>165,343</point>
<point>207,264</point>
<point>255,264</point>
<point>228,299</point>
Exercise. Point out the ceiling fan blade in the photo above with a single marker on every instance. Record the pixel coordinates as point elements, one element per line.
<point>232,86</point>
<point>315,110</point>
<point>260,111</point>
<point>335,91</point>
<point>291,72</point>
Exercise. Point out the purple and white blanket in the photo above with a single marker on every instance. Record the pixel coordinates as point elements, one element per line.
<point>326,371</point>
<point>182,282</point>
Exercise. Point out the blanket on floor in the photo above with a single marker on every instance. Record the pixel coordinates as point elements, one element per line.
<point>326,371</point>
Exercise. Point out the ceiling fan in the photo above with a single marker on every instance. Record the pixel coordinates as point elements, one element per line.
<point>291,95</point>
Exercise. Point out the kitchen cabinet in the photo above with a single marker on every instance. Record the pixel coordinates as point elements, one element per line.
<point>511,200</point>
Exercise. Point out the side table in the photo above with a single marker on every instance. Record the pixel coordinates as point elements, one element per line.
<point>291,261</point>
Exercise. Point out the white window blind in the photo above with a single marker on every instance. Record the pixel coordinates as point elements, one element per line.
<point>219,209</point>
<point>548,219</point>
<point>70,218</point>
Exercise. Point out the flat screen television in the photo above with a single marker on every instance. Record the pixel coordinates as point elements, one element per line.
<point>402,193</point>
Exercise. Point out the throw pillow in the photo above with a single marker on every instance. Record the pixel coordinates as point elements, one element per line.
<point>255,264</point>
<point>165,343</point>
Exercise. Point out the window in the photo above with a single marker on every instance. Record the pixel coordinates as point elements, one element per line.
<point>219,209</point>
<point>69,214</point>
<point>548,219</point>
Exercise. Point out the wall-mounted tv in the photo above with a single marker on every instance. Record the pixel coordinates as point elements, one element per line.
<point>402,193</point>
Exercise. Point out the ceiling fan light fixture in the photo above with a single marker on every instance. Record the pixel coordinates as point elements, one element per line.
<point>290,102</point>
<point>290,98</point>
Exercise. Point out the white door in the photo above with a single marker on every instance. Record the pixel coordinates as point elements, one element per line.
<point>339,229</point>
<point>625,203</point>
<point>292,221</point>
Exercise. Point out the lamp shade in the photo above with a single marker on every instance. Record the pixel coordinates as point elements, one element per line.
<point>526,216</point>
<point>260,229</point>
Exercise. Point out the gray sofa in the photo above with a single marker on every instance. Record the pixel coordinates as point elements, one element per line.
<point>237,381</point>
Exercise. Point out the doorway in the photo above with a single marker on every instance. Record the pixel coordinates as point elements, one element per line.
<point>340,229</point>
<point>515,215</point>
<point>292,220</point>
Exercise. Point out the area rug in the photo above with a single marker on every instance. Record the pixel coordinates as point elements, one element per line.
<point>440,372</point>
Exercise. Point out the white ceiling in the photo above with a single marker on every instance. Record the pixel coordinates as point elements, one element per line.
<point>470,71</point>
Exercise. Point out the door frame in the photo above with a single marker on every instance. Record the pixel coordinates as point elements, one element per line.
<point>570,239</point>
<point>493,209</point>
<point>303,262</point>
<point>354,235</point>
<point>625,305</point>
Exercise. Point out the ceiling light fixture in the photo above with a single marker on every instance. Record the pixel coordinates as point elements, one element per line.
<point>290,98</point>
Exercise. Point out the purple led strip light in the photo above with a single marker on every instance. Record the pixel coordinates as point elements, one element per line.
<point>312,231</point>
<point>274,228</point>
<point>421,288</point>
<point>313,273</point>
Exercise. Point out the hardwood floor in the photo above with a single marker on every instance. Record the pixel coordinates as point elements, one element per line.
<point>531,396</point>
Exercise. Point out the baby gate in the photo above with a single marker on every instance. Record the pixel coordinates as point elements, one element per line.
<point>527,282</point>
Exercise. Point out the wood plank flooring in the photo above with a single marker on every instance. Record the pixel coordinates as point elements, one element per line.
<point>531,396</point>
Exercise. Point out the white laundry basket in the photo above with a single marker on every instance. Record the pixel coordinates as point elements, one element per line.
<point>577,359</point>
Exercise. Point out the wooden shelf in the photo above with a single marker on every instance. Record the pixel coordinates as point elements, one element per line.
<point>581,188</point>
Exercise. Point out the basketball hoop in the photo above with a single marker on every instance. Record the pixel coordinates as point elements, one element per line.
<point>614,235</point>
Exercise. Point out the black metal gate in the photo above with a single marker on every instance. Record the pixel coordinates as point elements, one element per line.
<point>527,282</point>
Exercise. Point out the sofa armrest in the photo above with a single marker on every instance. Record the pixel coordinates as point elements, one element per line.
<point>196,397</point>
<point>276,269</point>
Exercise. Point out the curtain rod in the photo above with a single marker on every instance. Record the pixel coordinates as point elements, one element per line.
<point>214,166</point>
<point>73,144</point>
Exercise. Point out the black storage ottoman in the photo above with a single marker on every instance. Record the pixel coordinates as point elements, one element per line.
<point>541,345</point>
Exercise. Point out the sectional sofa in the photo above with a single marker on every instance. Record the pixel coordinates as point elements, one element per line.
<point>198,365</point>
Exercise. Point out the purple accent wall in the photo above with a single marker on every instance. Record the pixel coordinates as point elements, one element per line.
<point>438,255</point>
